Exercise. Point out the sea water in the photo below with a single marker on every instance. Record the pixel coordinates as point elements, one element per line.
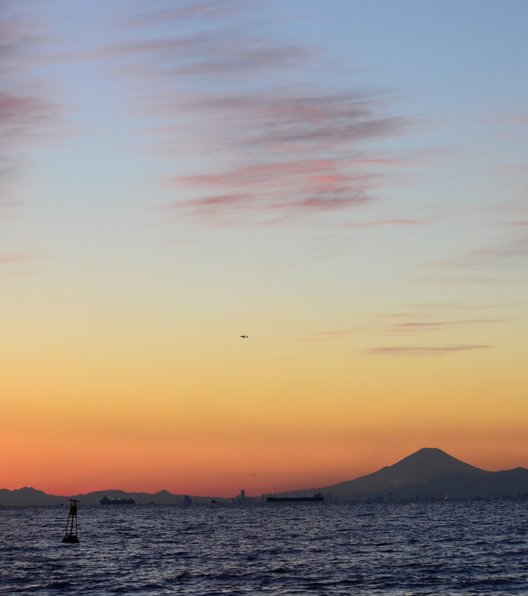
<point>478,547</point>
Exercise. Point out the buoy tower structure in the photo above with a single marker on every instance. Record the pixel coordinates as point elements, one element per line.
<point>70,535</point>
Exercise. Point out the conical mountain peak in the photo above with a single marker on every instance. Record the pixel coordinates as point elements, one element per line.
<point>426,450</point>
<point>432,455</point>
<point>434,451</point>
<point>424,465</point>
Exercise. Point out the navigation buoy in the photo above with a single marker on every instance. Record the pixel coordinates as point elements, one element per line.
<point>70,535</point>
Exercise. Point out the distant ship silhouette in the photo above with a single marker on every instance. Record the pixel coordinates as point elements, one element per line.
<point>116,501</point>
<point>317,497</point>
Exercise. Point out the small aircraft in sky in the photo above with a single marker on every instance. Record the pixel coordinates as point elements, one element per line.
<point>244,336</point>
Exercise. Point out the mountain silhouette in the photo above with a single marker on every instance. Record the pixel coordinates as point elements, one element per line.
<point>422,466</point>
<point>28,496</point>
<point>429,473</point>
<point>32,497</point>
<point>507,483</point>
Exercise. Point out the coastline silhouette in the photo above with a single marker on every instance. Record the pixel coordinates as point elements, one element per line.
<point>427,474</point>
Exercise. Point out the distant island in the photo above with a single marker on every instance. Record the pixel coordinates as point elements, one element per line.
<point>427,474</point>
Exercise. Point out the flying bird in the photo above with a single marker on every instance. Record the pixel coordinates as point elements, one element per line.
<point>244,336</point>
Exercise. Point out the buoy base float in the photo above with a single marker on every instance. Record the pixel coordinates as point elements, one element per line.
<point>70,539</point>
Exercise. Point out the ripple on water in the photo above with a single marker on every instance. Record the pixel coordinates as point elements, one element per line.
<point>423,548</point>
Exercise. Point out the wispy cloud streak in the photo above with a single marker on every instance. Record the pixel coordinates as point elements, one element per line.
<point>439,325</point>
<point>10,259</point>
<point>510,253</point>
<point>502,258</point>
<point>228,91</point>
<point>26,116</point>
<point>386,222</point>
<point>183,11</point>
<point>425,350</point>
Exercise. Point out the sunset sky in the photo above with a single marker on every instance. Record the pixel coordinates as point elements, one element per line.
<point>345,181</point>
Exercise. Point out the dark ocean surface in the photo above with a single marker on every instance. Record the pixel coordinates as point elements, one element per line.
<point>305,548</point>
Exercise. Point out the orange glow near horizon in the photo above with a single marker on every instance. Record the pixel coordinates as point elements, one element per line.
<point>319,419</point>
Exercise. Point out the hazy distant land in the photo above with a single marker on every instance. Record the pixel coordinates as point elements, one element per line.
<point>429,473</point>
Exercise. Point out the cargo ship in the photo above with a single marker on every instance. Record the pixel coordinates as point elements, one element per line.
<point>116,501</point>
<point>317,497</point>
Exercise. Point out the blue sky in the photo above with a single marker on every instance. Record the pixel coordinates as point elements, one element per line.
<point>450,75</point>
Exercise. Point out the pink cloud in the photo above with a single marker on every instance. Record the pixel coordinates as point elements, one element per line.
<point>210,204</point>
<point>329,202</point>
<point>216,52</point>
<point>436,325</point>
<point>26,118</point>
<point>19,115</point>
<point>512,252</point>
<point>217,201</point>
<point>386,222</point>
<point>283,145</point>
<point>10,259</point>
<point>426,350</point>
<point>302,185</point>
<point>260,173</point>
<point>19,38</point>
<point>202,9</point>
<point>298,122</point>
